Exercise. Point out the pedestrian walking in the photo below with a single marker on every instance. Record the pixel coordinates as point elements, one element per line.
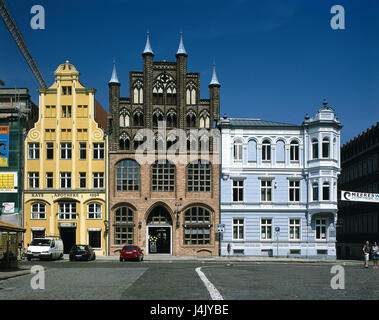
<point>366,253</point>
<point>375,255</point>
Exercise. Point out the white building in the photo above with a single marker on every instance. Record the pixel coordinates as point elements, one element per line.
<point>279,186</point>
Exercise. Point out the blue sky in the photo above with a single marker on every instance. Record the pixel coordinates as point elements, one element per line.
<point>276,60</point>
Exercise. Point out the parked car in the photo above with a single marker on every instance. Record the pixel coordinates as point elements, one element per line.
<point>45,248</point>
<point>82,252</point>
<point>131,252</point>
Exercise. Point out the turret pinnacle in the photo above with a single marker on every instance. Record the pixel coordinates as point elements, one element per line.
<point>148,49</point>
<point>214,80</point>
<point>181,49</point>
<point>114,78</point>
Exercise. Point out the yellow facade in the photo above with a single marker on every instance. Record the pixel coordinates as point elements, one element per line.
<point>65,166</point>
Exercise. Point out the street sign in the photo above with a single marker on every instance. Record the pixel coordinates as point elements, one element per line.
<point>221,227</point>
<point>277,229</point>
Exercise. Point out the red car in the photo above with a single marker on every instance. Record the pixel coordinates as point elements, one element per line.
<point>131,252</point>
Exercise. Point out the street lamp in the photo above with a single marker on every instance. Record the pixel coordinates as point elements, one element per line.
<point>106,224</point>
<point>178,204</point>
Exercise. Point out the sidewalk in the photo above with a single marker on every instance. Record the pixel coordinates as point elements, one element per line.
<point>10,273</point>
<point>171,258</point>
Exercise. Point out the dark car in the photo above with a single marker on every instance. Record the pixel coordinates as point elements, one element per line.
<point>131,252</point>
<point>82,252</point>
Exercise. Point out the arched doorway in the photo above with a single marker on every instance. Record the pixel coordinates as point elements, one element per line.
<point>159,231</point>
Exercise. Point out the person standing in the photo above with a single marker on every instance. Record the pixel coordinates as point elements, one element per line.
<point>375,255</point>
<point>366,252</point>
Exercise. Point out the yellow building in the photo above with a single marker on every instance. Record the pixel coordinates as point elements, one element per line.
<point>65,166</point>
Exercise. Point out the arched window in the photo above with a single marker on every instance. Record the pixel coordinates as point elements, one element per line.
<point>325,148</point>
<point>124,141</point>
<point>197,226</point>
<point>157,117</point>
<point>138,140</point>
<point>38,211</point>
<point>266,150</point>
<point>280,151</point>
<point>325,191</point>
<point>163,176</point>
<point>159,143</point>
<point>191,119</point>
<point>127,175</point>
<point>124,118</point>
<point>237,150</point>
<point>191,93</point>
<point>171,140</point>
<point>94,211</point>
<point>123,226</point>
<point>314,149</point>
<point>199,176</point>
<point>158,95</point>
<point>171,94</point>
<point>138,118</point>
<point>204,121</point>
<point>171,119</point>
<point>204,143</point>
<point>315,191</point>
<point>252,151</point>
<point>138,92</point>
<point>191,143</point>
<point>294,151</point>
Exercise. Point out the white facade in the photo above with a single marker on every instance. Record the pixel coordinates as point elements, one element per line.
<point>278,176</point>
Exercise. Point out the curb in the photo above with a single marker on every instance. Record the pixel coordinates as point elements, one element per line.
<point>11,274</point>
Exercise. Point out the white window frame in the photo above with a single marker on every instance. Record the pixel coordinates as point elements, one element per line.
<point>98,177</point>
<point>33,151</point>
<point>237,151</point>
<point>265,187</point>
<point>238,187</point>
<point>293,224</point>
<point>66,148</point>
<point>65,181</point>
<point>96,213</point>
<point>319,224</point>
<point>237,224</point>
<point>293,188</point>
<point>70,214</point>
<point>36,215</point>
<point>98,148</point>
<point>266,151</point>
<point>265,224</point>
<point>33,180</point>
<point>294,151</point>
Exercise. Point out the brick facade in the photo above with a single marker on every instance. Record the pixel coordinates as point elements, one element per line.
<point>145,202</point>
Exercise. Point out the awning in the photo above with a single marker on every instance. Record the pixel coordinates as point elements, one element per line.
<point>8,227</point>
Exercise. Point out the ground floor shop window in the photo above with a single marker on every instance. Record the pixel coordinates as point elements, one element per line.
<point>94,239</point>
<point>197,228</point>
<point>123,235</point>
<point>37,234</point>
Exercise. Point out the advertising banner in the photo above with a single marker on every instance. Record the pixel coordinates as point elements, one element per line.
<point>359,196</point>
<point>4,146</point>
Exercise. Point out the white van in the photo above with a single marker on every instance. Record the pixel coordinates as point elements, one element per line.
<point>45,248</point>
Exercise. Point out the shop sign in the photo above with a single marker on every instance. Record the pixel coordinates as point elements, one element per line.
<point>359,196</point>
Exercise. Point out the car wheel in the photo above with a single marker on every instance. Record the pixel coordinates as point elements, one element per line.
<point>29,259</point>
<point>121,259</point>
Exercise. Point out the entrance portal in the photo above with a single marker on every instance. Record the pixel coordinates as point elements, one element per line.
<point>68,236</point>
<point>159,224</point>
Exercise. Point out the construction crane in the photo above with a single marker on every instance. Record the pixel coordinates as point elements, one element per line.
<point>17,37</point>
